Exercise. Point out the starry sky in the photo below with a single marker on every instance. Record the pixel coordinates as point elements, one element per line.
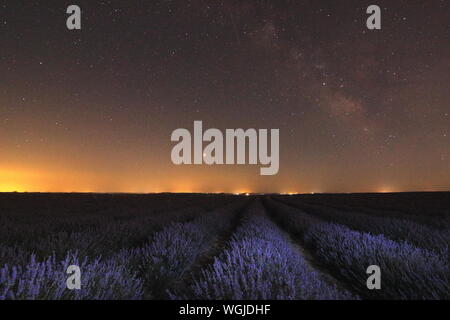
<point>92,110</point>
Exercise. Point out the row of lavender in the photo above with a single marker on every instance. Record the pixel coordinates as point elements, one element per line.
<point>432,208</point>
<point>169,257</point>
<point>419,235</point>
<point>116,273</point>
<point>413,265</point>
<point>437,220</point>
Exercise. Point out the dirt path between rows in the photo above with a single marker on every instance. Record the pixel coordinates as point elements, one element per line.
<point>207,258</point>
<point>321,269</point>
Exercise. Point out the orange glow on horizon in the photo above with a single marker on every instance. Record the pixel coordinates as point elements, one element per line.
<point>385,189</point>
<point>27,179</point>
<point>11,188</point>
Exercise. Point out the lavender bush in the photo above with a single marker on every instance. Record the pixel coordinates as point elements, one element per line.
<point>395,229</point>
<point>407,272</point>
<point>47,280</point>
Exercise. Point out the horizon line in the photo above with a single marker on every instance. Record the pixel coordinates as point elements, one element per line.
<point>225,193</point>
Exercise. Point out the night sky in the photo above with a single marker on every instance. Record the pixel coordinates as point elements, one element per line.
<point>92,110</point>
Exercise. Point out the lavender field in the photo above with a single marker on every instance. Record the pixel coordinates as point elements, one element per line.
<point>216,247</point>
